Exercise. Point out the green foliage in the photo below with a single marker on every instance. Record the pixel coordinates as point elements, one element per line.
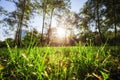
<point>31,39</point>
<point>2,44</point>
<point>111,38</point>
<point>10,41</point>
<point>102,15</point>
<point>105,75</point>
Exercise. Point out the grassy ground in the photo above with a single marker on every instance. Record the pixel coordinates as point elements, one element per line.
<point>60,63</point>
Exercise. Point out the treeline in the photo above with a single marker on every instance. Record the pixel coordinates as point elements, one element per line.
<point>32,39</point>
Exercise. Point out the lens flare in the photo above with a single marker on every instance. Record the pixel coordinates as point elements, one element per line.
<point>61,32</point>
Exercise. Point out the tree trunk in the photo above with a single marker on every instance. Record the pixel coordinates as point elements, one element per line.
<point>19,30</point>
<point>41,40</point>
<point>18,35</point>
<point>44,13</point>
<point>49,30</point>
<point>114,21</point>
<point>98,22</point>
<point>115,33</point>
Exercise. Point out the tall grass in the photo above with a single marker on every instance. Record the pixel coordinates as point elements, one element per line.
<point>56,63</point>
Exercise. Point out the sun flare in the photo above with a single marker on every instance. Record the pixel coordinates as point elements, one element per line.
<point>61,32</point>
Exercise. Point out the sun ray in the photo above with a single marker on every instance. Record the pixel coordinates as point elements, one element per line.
<point>61,32</point>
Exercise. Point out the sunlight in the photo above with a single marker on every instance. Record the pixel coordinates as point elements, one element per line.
<point>61,32</point>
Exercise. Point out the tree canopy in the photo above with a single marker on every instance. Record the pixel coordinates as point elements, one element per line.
<point>95,20</point>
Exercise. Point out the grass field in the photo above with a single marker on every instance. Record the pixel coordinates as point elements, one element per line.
<point>60,63</point>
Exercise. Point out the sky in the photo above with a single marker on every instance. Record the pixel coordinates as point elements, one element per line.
<point>76,5</point>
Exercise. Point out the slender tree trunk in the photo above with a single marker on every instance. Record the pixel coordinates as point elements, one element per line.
<point>115,33</point>
<point>49,30</point>
<point>44,13</point>
<point>19,35</point>
<point>114,20</point>
<point>19,30</point>
<point>41,40</point>
<point>65,36</point>
<point>98,22</point>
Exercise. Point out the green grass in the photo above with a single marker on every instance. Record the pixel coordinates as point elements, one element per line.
<point>59,63</point>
